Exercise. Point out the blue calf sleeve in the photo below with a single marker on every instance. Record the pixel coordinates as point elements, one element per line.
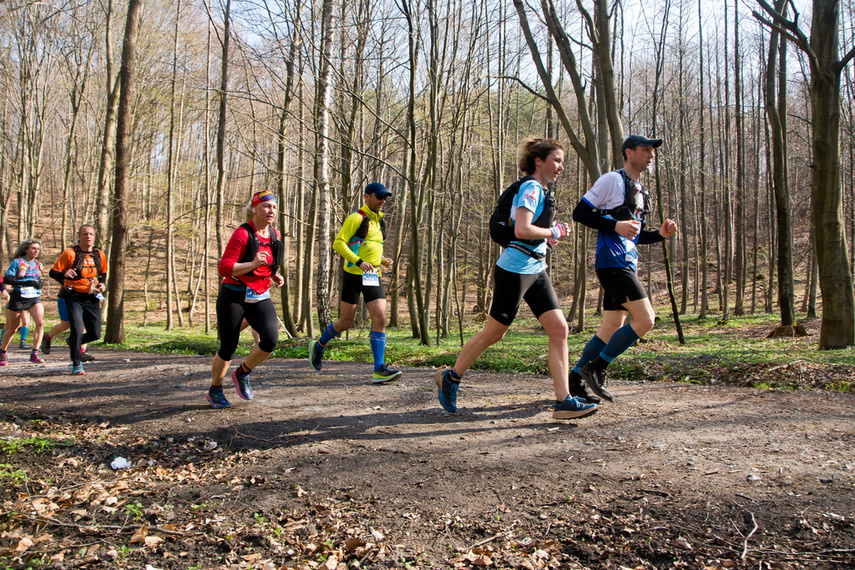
<point>378,348</point>
<point>590,352</point>
<point>328,334</point>
<point>623,338</point>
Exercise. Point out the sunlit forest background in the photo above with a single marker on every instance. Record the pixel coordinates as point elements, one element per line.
<point>314,99</point>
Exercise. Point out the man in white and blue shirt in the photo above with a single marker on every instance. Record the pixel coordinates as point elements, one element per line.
<point>616,207</point>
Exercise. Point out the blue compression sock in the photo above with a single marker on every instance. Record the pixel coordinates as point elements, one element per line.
<point>328,334</point>
<point>622,339</point>
<point>590,352</point>
<point>24,331</point>
<point>378,348</point>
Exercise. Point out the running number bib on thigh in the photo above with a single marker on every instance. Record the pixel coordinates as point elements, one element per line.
<point>253,297</point>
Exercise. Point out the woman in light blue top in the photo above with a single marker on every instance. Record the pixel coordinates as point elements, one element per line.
<point>520,274</point>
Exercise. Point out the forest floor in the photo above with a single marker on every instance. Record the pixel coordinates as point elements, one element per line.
<point>325,470</point>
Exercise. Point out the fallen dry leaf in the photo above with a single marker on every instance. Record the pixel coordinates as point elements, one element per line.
<point>139,535</point>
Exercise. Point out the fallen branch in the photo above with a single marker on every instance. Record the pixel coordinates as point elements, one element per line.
<point>753,530</point>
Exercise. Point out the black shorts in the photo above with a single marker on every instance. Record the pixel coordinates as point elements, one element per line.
<point>619,286</point>
<point>351,287</point>
<point>510,289</point>
<point>18,303</point>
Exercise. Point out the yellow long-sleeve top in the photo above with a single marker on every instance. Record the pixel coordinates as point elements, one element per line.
<point>352,249</point>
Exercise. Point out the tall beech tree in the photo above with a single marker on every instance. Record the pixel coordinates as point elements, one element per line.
<point>826,65</point>
<point>115,332</point>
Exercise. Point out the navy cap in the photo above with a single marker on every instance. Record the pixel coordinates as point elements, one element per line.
<point>377,189</point>
<point>633,141</point>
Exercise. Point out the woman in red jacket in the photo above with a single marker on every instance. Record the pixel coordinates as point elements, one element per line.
<point>250,265</point>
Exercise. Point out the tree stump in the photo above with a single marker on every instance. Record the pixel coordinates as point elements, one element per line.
<point>787,331</point>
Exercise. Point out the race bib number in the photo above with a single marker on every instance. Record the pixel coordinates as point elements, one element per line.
<point>371,279</point>
<point>29,292</point>
<point>253,297</point>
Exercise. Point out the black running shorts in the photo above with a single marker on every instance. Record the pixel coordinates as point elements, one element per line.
<point>351,287</point>
<point>619,286</point>
<point>510,289</point>
<point>18,303</point>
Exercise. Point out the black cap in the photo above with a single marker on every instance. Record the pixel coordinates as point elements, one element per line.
<point>378,189</point>
<point>633,141</point>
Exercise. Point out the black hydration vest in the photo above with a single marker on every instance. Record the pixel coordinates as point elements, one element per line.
<point>253,243</point>
<point>501,226</point>
<point>629,210</point>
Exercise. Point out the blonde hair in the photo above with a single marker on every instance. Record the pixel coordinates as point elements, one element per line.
<point>535,147</point>
<point>24,246</point>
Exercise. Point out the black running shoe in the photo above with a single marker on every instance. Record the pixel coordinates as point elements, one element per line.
<point>315,355</point>
<point>579,388</point>
<point>596,381</point>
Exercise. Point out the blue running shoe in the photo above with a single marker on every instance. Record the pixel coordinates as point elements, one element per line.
<point>22,345</point>
<point>242,386</point>
<point>573,408</point>
<point>77,370</point>
<point>217,399</point>
<point>315,355</point>
<point>447,390</point>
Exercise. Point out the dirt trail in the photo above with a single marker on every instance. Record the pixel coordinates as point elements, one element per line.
<point>667,475</point>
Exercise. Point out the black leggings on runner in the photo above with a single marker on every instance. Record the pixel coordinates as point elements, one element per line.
<point>261,316</point>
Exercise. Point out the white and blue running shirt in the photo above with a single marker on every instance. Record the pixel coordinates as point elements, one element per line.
<point>531,197</point>
<point>613,250</point>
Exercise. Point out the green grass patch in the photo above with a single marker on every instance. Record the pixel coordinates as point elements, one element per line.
<point>12,474</point>
<point>715,351</point>
<point>38,443</point>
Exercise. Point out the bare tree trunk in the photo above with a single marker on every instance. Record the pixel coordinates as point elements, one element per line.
<point>221,130</point>
<point>660,60</point>
<point>420,317</point>
<point>603,52</point>
<point>206,167</point>
<point>776,112</point>
<point>102,210</point>
<point>115,331</point>
<point>322,160</point>
<point>739,209</point>
<point>170,181</point>
<point>287,317</point>
<point>835,276</point>
<point>702,314</point>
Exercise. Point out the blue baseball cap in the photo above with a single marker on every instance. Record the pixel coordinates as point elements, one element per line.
<point>377,189</point>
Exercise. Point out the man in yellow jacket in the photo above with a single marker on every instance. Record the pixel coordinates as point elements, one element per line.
<point>360,243</point>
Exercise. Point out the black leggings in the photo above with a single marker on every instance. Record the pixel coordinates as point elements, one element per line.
<point>84,320</point>
<point>261,316</point>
